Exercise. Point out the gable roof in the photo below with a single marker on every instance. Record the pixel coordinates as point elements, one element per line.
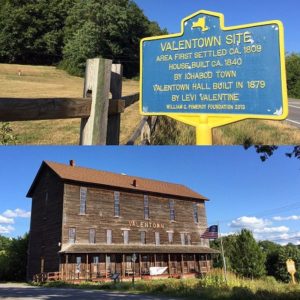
<point>104,178</point>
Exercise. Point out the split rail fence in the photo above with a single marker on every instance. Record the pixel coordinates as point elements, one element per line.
<point>100,115</point>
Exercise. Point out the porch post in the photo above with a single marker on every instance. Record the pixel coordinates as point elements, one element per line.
<point>140,264</point>
<point>123,266</point>
<point>169,263</point>
<point>105,265</point>
<point>199,256</point>
<point>195,263</point>
<point>67,266</point>
<point>154,259</point>
<point>87,273</point>
<point>182,266</point>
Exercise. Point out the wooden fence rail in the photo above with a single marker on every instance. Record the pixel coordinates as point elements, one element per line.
<point>100,115</point>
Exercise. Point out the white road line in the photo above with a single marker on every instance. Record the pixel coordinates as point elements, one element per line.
<point>294,106</point>
<point>293,121</point>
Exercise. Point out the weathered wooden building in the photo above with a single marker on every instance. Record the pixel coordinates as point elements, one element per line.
<point>88,224</point>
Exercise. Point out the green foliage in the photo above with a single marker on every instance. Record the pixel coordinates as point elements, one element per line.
<point>32,31</point>
<point>6,135</point>
<point>228,245</point>
<point>211,287</point>
<point>13,258</point>
<point>249,259</point>
<point>283,254</point>
<point>111,29</point>
<point>293,74</point>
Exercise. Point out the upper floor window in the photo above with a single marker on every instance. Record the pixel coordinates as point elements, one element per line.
<point>170,237</point>
<point>117,204</point>
<point>195,208</point>
<point>157,238</point>
<point>92,236</point>
<point>126,236</point>
<point>146,207</point>
<point>83,196</point>
<point>72,235</point>
<point>108,236</point>
<point>185,238</point>
<point>172,210</point>
<point>143,237</point>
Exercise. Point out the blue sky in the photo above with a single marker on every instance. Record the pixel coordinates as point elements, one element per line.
<point>243,191</point>
<point>169,13</point>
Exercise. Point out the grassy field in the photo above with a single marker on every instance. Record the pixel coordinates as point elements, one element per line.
<point>37,81</point>
<point>211,287</point>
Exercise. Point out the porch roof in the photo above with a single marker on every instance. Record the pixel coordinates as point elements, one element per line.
<point>116,248</point>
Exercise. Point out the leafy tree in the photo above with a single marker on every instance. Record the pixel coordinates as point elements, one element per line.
<point>31,31</point>
<point>248,258</point>
<point>13,258</point>
<point>293,74</point>
<point>111,29</point>
<point>271,251</point>
<point>288,252</point>
<point>228,245</point>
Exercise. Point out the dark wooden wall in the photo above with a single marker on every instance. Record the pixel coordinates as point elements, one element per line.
<point>100,215</point>
<point>46,224</point>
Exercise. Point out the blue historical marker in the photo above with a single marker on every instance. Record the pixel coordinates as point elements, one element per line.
<point>212,70</point>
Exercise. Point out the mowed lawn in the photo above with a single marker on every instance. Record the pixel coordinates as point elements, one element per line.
<point>40,81</point>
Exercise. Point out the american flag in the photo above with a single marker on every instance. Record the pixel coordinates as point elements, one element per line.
<point>211,233</point>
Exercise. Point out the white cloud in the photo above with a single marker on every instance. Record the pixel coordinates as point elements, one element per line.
<point>249,223</point>
<point>289,218</point>
<point>279,229</point>
<point>6,229</point>
<point>17,213</point>
<point>5,220</point>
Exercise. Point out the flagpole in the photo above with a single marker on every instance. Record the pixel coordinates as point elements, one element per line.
<point>223,256</point>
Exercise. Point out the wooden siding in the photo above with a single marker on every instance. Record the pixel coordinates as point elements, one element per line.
<point>100,215</point>
<point>46,224</point>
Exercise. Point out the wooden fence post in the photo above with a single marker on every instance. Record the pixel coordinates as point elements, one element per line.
<point>93,130</point>
<point>114,120</point>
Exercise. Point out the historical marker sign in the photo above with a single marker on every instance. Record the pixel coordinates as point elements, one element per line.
<point>291,268</point>
<point>209,69</point>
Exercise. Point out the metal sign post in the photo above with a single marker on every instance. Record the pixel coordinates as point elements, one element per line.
<point>210,75</point>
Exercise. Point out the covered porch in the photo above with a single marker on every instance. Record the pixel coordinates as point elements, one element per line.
<point>81,263</point>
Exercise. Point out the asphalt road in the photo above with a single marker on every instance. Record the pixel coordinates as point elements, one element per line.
<point>12,291</point>
<point>294,112</point>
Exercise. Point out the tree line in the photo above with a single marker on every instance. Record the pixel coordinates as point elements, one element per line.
<point>251,259</point>
<point>13,258</point>
<point>67,32</point>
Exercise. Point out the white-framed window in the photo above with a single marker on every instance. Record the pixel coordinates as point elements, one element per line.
<point>108,237</point>
<point>126,237</point>
<point>157,238</point>
<point>83,196</point>
<point>185,238</point>
<point>146,207</point>
<point>92,235</point>
<point>117,204</point>
<point>143,237</point>
<point>195,212</point>
<point>170,237</point>
<point>96,260</point>
<point>182,238</point>
<point>72,235</point>
<point>172,209</point>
